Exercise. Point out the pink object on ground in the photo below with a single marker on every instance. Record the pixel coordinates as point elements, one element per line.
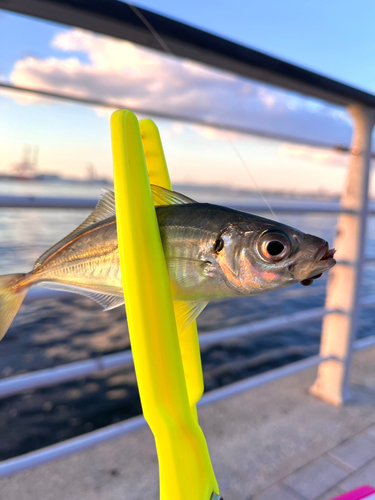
<point>358,494</point>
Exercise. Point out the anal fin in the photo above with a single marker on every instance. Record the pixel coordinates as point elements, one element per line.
<point>107,301</point>
<point>186,312</point>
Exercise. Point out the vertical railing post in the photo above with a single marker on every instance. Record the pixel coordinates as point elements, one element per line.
<point>343,292</point>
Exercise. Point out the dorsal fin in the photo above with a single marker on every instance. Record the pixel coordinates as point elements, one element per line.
<point>103,210</point>
<point>106,208</point>
<point>162,196</point>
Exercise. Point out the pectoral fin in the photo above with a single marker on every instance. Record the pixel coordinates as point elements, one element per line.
<point>188,272</point>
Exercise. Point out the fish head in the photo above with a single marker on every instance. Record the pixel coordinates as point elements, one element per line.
<point>263,255</point>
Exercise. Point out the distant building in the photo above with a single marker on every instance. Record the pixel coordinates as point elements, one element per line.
<point>26,169</point>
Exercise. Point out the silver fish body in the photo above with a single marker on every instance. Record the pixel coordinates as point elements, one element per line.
<point>212,252</point>
<point>89,260</point>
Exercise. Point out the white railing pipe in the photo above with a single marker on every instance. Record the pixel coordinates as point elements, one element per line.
<point>47,202</point>
<point>259,328</point>
<point>296,206</point>
<point>64,373</point>
<point>343,292</point>
<point>70,446</point>
<point>164,115</point>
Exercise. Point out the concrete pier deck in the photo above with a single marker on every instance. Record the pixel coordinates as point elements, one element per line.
<point>272,443</point>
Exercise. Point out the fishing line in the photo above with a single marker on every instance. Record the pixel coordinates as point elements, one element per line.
<point>168,51</point>
<point>240,157</point>
<point>151,29</point>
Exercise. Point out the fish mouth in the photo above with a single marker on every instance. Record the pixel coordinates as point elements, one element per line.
<point>322,262</point>
<point>325,253</point>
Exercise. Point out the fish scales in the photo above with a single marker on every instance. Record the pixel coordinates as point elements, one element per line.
<point>90,260</point>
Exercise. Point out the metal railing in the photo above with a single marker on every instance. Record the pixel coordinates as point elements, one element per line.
<point>48,377</point>
<point>61,374</point>
<point>353,209</point>
<point>80,443</point>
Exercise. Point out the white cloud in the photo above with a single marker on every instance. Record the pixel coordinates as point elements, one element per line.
<point>123,73</point>
<point>266,97</point>
<point>216,134</point>
<point>317,155</point>
<point>174,130</point>
<point>120,72</point>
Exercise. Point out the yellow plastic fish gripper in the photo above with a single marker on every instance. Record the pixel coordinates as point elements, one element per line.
<point>168,367</point>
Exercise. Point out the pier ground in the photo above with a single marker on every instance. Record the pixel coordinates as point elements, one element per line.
<point>272,443</point>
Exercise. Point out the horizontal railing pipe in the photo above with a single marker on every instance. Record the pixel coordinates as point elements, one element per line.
<point>70,446</point>
<point>258,380</point>
<point>172,117</point>
<point>65,373</point>
<point>297,206</point>
<point>47,202</point>
<point>264,326</point>
<point>364,343</point>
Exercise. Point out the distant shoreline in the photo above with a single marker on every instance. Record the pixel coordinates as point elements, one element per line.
<point>51,178</point>
<point>181,187</point>
<point>219,188</point>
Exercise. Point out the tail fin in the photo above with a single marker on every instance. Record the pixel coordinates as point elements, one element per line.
<point>11,298</point>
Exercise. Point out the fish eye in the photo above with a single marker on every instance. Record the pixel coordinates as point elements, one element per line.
<point>219,245</point>
<point>273,246</point>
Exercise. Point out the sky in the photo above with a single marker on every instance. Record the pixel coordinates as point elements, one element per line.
<point>332,38</point>
<point>335,38</point>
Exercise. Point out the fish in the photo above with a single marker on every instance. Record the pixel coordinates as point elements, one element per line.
<point>212,252</point>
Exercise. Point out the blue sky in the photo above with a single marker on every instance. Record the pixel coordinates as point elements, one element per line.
<point>335,37</point>
<point>324,38</point>
<point>22,36</point>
